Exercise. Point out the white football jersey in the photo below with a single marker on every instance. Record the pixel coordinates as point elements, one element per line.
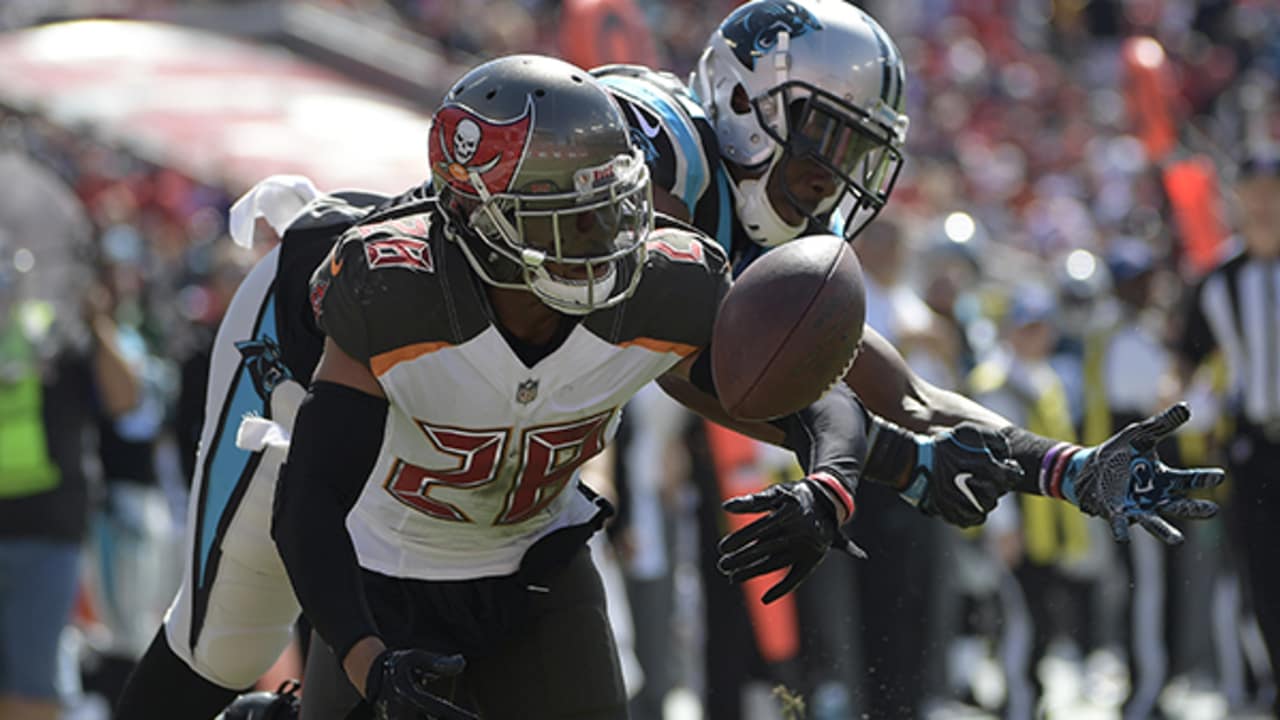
<point>481,452</point>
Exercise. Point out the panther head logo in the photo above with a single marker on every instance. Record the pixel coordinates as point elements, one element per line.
<point>752,30</point>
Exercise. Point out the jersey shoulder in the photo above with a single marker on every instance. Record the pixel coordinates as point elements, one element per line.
<point>669,126</point>
<point>391,281</point>
<point>685,277</point>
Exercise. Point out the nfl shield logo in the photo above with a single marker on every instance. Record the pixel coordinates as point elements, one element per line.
<point>527,391</point>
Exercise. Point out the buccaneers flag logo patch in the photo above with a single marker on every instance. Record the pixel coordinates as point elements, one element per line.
<point>465,143</point>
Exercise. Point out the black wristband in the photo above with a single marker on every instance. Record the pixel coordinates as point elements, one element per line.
<point>373,680</point>
<point>1042,460</point>
<point>892,457</point>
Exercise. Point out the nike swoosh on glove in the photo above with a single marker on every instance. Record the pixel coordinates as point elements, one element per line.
<point>1124,481</point>
<point>397,685</point>
<point>961,473</point>
<point>797,531</point>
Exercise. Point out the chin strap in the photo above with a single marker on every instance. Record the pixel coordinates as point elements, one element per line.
<point>759,218</point>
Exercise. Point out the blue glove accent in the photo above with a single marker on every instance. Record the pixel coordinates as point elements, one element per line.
<point>920,474</point>
<point>1071,472</point>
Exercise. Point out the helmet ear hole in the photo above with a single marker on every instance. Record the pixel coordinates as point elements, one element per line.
<point>738,101</point>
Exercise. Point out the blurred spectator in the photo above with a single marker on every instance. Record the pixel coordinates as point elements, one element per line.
<point>1054,555</point>
<point>907,572</point>
<point>50,384</point>
<point>133,532</point>
<point>651,466</point>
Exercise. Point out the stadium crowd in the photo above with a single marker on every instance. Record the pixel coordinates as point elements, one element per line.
<point>1039,253</point>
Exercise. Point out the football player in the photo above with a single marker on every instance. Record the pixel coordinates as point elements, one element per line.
<point>793,122</point>
<point>235,610</point>
<point>479,347</point>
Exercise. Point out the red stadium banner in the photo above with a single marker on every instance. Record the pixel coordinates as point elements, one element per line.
<point>776,625</point>
<point>1192,187</point>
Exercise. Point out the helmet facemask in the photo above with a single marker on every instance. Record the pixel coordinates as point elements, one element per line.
<point>578,251</point>
<point>859,150</point>
<point>787,81</point>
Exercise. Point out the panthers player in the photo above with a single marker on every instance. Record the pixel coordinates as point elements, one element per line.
<point>479,347</point>
<point>234,612</point>
<point>793,122</point>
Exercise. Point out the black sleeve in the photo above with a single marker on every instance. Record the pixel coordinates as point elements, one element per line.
<point>829,436</point>
<point>1042,459</point>
<point>336,440</point>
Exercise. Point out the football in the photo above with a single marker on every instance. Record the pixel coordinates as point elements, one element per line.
<point>789,328</point>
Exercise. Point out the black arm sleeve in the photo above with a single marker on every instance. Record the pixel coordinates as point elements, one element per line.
<point>828,436</point>
<point>336,439</point>
<point>1029,451</point>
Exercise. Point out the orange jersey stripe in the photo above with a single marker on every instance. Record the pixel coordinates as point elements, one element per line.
<point>383,362</point>
<point>662,346</point>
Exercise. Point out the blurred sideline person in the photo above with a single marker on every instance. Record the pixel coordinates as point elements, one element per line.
<point>52,386</point>
<point>1057,557</point>
<point>909,571</point>
<point>1232,309</point>
<point>132,569</point>
<point>598,32</point>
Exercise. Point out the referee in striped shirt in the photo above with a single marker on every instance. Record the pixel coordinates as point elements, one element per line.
<point>1236,309</point>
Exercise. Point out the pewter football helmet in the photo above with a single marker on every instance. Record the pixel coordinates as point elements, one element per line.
<point>815,79</point>
<point>542,189</point>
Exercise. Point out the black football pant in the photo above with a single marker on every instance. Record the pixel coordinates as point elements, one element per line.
<point>1255,524</point>
<point>554,659</point>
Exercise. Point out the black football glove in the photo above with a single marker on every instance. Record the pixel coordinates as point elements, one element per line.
<point>961,473</point>
<point>397,686</point>
<point>1124,481</point>
<point>800,527</point>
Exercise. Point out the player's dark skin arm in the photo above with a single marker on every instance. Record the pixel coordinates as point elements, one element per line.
<point>668,204</point>
<point>890,389</point>
<point>880,377</point>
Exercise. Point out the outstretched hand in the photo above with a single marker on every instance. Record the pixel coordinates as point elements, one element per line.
<point>797,531</point>
<point>1124,481</point>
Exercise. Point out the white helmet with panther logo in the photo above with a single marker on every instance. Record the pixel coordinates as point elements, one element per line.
<point>816,79</point>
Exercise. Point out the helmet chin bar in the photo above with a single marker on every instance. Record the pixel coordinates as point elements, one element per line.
<point>760,219</point>
<point>607,278</point>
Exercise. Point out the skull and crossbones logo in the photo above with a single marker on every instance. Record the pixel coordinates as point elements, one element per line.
<point>466,137</point>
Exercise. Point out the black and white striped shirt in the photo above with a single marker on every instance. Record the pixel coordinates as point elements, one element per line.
<point>1236,309</point>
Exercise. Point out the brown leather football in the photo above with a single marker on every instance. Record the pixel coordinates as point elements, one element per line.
<point>789,328</point>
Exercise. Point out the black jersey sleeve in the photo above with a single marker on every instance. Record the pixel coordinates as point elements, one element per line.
<point>340,291</point>
<point>684,279</point>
